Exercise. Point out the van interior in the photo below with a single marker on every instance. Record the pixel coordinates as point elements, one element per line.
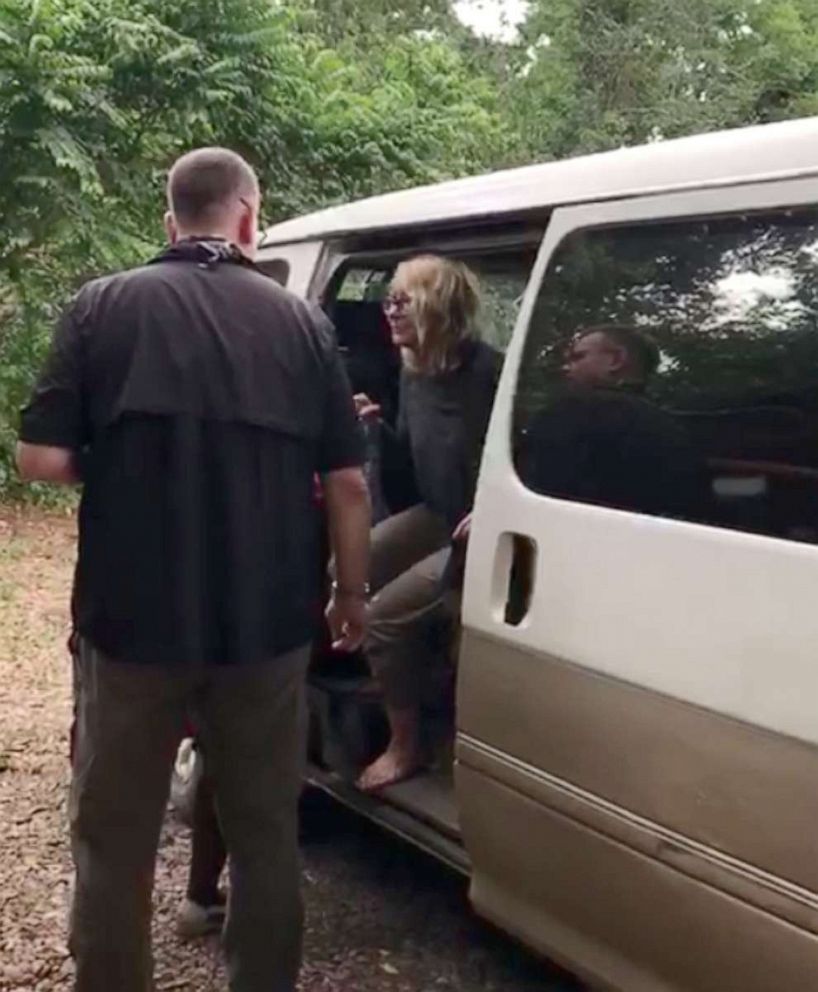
<point>348,728</point>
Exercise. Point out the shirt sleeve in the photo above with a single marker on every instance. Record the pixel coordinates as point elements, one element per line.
<point>55,415</point>
<point>341,444</point>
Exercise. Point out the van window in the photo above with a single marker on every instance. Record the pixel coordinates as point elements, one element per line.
<point>503,278</point>
<point>672,369</point>
<point>361,284</point>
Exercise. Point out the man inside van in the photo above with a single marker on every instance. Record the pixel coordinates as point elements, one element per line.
<point>196,399</point>
<point>601,440</point>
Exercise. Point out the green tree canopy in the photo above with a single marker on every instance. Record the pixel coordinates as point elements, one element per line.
<point>97,97</point>
<point>597,74</point>
<point>333,100</point>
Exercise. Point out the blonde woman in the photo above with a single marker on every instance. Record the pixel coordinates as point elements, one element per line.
<point>448,379</point>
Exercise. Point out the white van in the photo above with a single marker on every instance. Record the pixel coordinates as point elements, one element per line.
<point>635,784</point>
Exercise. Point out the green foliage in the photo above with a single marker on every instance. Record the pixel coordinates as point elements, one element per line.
<point>97,97</point>
<point>597,74</point>
<point>333,100</point>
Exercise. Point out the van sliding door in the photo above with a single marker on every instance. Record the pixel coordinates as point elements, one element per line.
<point>637,725</point>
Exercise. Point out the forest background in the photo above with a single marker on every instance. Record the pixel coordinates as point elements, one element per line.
<point>333,100</point>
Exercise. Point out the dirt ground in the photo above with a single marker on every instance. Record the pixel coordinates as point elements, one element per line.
<point>380,916</point>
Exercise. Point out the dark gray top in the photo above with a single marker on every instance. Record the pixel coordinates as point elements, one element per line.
<point>443,419</point>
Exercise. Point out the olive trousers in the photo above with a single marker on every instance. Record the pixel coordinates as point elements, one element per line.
<point>129,721</point>
<point>410,622</point>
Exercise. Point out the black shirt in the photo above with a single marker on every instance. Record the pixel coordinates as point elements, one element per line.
<point>616,448</point>
<point>204,398</point>
<point>443,419</point>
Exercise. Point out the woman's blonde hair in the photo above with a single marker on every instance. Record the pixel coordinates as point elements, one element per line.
<point>444,305</point>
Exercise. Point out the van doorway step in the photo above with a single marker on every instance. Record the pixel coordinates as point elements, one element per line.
<point>429,796</point>
<point>418,830</point>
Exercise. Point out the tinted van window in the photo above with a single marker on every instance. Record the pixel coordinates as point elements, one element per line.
<point>672,369</point>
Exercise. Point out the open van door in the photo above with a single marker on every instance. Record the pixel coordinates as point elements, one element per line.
<point>637,749</point>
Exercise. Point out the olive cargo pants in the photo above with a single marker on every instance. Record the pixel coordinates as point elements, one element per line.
<point>410,556</point>
<point>129,720</point>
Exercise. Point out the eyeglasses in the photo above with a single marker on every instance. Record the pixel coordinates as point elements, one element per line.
<point>396,302</point>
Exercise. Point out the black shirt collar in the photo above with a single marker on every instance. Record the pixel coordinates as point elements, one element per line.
<point>202,251</point>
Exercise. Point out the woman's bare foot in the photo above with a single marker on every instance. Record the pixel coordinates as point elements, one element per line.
<point>402,758</point>
<point>394,765</point>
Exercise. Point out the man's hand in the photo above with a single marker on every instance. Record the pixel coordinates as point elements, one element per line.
<point>463,529</point>
<point>365,408</point>
<point>346,616</point>
<point>46,463</point>
<point>346,497</point>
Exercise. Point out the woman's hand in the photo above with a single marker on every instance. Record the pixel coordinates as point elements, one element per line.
<point>463,529</point>
<point>365,408</point>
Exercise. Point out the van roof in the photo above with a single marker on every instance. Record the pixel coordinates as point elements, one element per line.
<point>744,155</point>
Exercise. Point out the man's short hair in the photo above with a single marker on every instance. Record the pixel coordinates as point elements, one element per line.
<point>641,349</point>
<point>203,183</point>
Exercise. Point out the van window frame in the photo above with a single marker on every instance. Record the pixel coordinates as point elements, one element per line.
<point>304,260</point>
<point>344,254</point>
<point>269,266</point>
<point>499,239</point>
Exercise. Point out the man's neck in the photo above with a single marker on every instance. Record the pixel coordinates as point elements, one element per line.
<point>222,237</point>
<point>204,236</point>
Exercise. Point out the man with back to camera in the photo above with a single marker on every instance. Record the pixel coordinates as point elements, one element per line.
<point>196,399</point>
<point>599,439</point>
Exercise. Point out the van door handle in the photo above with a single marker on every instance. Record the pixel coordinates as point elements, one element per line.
<point>522,571</point>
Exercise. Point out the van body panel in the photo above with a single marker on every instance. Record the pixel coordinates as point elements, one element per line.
<point>722,801</point>
<point>769,151</point>
<point>619,918</point>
